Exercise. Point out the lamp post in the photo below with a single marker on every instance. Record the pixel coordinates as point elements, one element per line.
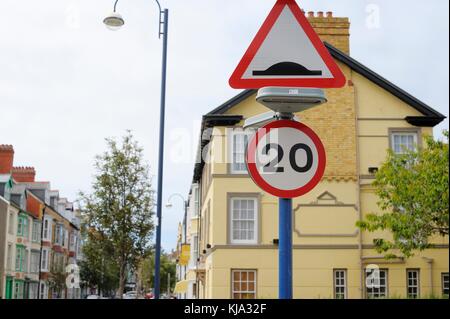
<point>185,203</point>
<point>114,21</point>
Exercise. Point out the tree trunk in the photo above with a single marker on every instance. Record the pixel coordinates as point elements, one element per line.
<point>122,279</point>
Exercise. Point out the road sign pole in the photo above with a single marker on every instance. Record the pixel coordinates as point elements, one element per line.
<point>285,248</point>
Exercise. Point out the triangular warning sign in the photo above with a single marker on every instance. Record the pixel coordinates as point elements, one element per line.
<point>287,52</point>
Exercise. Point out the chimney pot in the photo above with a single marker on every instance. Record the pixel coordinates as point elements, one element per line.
<point>23,174</point>
<point>6,158</point>
<point>311,14</point>
<point>329,14</point>
<point>320,14</point>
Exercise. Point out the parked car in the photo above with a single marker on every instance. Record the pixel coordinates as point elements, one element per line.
<point>130,295</point>
<point>93,297</point>
<point>149,295</point>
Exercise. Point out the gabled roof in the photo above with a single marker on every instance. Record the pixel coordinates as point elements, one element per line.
<point>430,116</point>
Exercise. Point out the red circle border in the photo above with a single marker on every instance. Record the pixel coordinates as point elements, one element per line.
<point>257,178</point>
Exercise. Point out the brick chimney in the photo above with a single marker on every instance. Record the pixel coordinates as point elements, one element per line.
<point>6,158</point>
<point>23,174</point>
<point>335,31</point>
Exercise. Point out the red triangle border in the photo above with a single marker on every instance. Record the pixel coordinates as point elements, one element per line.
<point>236,81</point>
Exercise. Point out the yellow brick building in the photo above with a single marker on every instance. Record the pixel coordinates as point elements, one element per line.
<point>233,225</point>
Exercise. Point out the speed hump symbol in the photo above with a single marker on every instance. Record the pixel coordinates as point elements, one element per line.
<point>286,158</point>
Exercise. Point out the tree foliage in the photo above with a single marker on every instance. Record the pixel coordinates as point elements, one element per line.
<point>146,273</point>
<point>119,211</point>
<point>98,267</point>
<point>413,196</point>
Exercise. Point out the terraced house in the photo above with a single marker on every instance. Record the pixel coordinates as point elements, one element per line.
<point>233,225</point>
<point>38,235</point>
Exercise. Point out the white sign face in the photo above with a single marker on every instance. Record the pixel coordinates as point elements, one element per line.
<point>287,52</point>
<point>280,56</point>
<point>286,159</point>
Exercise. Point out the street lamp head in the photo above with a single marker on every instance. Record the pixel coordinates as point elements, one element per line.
<point>169,205</point>
<point>114,21</point>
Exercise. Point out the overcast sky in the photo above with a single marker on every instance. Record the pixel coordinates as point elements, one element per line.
<point>66,82</point>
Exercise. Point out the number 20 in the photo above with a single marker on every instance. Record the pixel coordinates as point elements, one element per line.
<point>272,167</point>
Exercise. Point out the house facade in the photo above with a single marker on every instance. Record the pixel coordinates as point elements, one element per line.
<point>39,234</point>
<point>233,224</point>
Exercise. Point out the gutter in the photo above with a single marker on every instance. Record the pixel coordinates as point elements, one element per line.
<point>358,190</point>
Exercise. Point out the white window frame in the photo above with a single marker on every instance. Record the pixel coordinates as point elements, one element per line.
<point>18,289</point>
<point>47,233</point>
<point>376,292</point>
<point>21,223</point>
<point>255,220</point>
<point>413,283</point>
<point>247,282</point>
<point>36,231</point>
<point>445,283</point>
<point>9,257</point>
<point>196,200</point>
<point>59,234</point>
<point>72,241</point>
<point>58,261</point>
<point>33,294</point>
<point>233,151</point>
<point>194,246</point>
<point>43,291</point>
<point>20,262</point>
<point>45,259</point>
<point>338,285</point>
<point>403,133</point>
<point>65,242</point>
<point>11,225</point>
<point>34,261</point>
<point>26,258</point>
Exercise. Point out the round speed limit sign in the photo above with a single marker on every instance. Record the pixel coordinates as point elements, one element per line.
<point>286,158</point>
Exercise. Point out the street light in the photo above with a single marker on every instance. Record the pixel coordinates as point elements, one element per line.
<point>115,21</point>
<point>185,203</point>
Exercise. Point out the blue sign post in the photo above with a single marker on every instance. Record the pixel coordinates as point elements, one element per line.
<point>285,249</point>
<point>295,171</point>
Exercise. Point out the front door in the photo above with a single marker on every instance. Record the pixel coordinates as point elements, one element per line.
<point>9,287</point>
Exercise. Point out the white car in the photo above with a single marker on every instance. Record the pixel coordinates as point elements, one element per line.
<point>93,297</point>
<point>130,295</point>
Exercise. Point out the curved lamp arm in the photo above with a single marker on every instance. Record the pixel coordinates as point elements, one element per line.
<point>161,19</point>
<point>177,195</point>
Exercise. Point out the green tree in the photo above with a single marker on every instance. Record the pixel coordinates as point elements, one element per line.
<point>57,281</point>
<point>413,196</point>
<point>98,268</point>
<point>146,273</point>
<point>120,207</point>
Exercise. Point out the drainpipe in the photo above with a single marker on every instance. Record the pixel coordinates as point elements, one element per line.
<point>40,254</point>
<point>358,190</point>
<point>199,235</point>
<point>430,262</point>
